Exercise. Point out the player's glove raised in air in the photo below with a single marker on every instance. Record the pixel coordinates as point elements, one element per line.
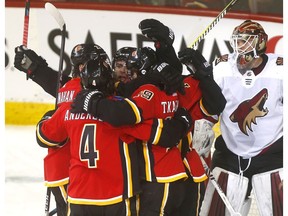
<point>171,79</point>
<point>157,31</point>
<point>86,102</point>
<point>184,116</point>
<point>28,61</point>
<point>196,64</point>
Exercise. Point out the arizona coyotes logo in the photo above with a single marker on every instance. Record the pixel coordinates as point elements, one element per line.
<point>223,58</point>
<point>247,112</point>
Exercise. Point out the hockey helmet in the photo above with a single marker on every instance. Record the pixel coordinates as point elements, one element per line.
<point>81,53</point>
<point>142,60</point>
<point>248,41</point>
<point>122,54</point>
<point>97,74</point>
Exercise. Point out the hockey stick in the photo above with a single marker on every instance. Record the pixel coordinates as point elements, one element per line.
<point>25,31</point>
<point>213,23</point>
<point>219,189</point>
<point>54,211</point>
<point>54,12</point>
<point>47,201</point>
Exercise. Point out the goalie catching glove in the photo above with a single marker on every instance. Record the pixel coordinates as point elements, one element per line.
<point>86,102</point>
<point>158,32</point>
<point>28,61</point>
<point>196,64</point>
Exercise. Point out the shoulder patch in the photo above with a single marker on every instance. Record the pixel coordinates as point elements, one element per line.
<point>223,58</point>
<point>148,95</point>
<point>279,61</point>
<point>186,85</point>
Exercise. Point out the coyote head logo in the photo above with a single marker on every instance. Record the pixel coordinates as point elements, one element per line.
<point>247,112</point>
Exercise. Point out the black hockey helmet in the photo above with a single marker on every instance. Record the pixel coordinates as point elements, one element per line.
<point>142,59</point>
<point>81,53</point>
<point>122,54</point>
<point>97,74</point>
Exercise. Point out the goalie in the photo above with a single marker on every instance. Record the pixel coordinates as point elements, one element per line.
<point>249,153</point>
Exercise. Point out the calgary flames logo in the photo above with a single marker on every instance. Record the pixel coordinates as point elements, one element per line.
<point>247,112</point>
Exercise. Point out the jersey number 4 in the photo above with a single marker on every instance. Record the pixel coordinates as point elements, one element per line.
<point>88,150</point>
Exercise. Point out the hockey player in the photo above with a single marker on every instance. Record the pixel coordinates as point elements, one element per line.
<point>119,64</point>
<point>56,163</point>
<point>249,152</point>
<point>98,185</point>
<point>161,170</point>
<point>151,102</point>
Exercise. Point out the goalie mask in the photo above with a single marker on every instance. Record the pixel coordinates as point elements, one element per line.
<point>81,53</point>
<point>248,41</point>
<point>97,74</point>
<point>141,60</point>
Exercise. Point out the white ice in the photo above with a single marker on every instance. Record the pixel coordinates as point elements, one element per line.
<point>24,186</point>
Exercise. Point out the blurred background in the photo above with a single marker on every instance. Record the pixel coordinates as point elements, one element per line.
<point>112,25</point>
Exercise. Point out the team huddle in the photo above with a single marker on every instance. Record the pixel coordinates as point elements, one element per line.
<point>129,137</point>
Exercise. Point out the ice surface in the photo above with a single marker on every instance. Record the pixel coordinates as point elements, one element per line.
<point>24,186</point>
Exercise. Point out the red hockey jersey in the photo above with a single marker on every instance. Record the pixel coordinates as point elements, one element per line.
<point>157,163</point>
<point>56,163</point>
<point>98,175</point>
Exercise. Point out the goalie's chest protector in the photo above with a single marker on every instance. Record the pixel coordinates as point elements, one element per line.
<point>253,116</point>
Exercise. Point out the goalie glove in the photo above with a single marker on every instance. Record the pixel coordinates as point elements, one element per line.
<point>196,64</point>
<point>170,78</point>
<point>28,61</point>
<point>158,32</point>
<point>86,102</point>
<point>203,137</point>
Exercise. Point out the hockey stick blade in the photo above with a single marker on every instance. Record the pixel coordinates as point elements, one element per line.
<point>53,11</point>
<point>213,23</point>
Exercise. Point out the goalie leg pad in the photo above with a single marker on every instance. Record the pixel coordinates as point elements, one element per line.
<point>235,188</point>
<point>246,207</point>
<point>268,190</point>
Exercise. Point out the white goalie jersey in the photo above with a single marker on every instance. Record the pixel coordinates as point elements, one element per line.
<point>253,117</point>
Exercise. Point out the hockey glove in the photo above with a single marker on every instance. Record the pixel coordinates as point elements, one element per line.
<point>47,115</point>
<point>196,64</point>
<point>184,116</point>
<point>170,78</point>
<point>86,102</point>
<point>158,32</point>
<point>28,61</point>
